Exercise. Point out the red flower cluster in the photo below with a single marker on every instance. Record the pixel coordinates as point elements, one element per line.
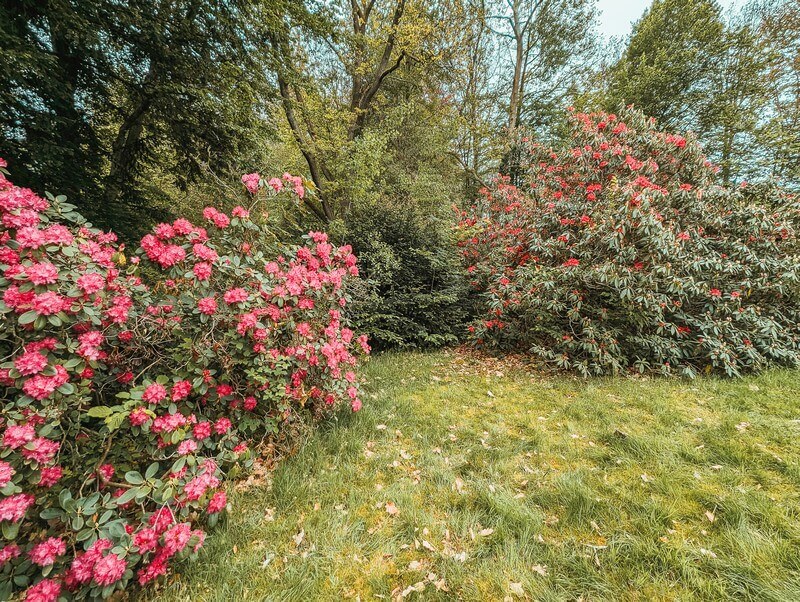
<point>614,250</point>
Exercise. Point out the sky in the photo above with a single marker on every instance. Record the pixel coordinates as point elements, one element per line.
<point>617,16</point>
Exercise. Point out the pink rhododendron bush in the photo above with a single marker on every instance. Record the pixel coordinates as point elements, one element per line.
<point>125,406</point>
<point>621,252</point>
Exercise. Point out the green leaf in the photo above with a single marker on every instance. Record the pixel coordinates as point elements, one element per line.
<point>99,412</point>
<point>10,530</point>
<point>128,495</point>
<point>28,317</point>
<point>151,470</point>
<point>133,477</point>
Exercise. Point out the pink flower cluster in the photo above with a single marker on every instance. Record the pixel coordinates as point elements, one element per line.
<point>251,181</point>
<point>185,372</point>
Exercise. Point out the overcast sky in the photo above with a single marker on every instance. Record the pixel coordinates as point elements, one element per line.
<point>617,16</point>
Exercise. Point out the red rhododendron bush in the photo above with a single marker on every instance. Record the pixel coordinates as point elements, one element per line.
<point>125,405</point>
<point>621,253</point>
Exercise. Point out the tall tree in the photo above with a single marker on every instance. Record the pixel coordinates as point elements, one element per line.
<point>551,44</point>
<point>668,67</point>
<point>779,31</point>
<point>101,91</point>
<point>739,94</point>
<point>331,89</point>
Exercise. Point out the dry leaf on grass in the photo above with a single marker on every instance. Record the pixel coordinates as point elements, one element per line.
<point>516,589</point>
<point>391,509</point>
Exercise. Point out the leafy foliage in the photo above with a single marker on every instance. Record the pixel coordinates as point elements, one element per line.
<point>620,252</point>
<point>125,405</point>
<point>412,292</point>
<point>98,99</point>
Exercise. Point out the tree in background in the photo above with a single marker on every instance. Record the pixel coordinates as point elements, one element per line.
<point>779,31</point>
<point>477,98</point>
<point>668,67</point>
<point>552,44</point>
<point>739,93</point>
<point>100,97</point>
<point>337,92</point>
<point>731,80</point>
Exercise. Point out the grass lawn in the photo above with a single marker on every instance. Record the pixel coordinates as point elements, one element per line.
<point>459,482</point>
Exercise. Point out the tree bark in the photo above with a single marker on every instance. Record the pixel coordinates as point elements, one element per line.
<point>123,152</point>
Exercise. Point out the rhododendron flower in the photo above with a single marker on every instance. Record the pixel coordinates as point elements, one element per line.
<point>50,475</point>
<point>13,508</point>
<point>207,305</point>
<point>138,417</point>
<point>154,393</point>
<point>42,273</point>
<point>152,571</point>
<point>6,472</point>
<point>219,219</point>
<point>251,181</point>
<point>109,569</point>
<point>222,426</point>
<point>30,362</point>
<point>218,502</point>
<point>146,540</point>
<point>18,435</point>
<point>181,390</point>
<point>41,387</point>
<point>182,226</point>
<point>164,231</point>
<point>106,472</point>
<point>362,341</point>
<point>47,590</point>
<point>202,270</point>
<point>235,295</point>
<point>715,292</point>
<point>169,423</point>
<point>30,237</point>
<point>80,571</point>
<point>240,212</point>
<point>46,552</point>
<point>356,405</point>
<point>224,390</point>
<point>276,184</point>
<point>8,552</point>
<point>119,311</point>
<point>205,253</point>
<point>201,430</point>
<point>187,446</point>
<point>50,303</point>
<point>41,450</point>
<point>176,538</point>
<point>571,262</point>
<point>250,403</point>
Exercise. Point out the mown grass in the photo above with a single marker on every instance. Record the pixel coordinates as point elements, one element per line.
<point>527,487</point>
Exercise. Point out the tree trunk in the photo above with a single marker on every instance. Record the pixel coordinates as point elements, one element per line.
<point>516,84</point>
<point>123,152</point>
